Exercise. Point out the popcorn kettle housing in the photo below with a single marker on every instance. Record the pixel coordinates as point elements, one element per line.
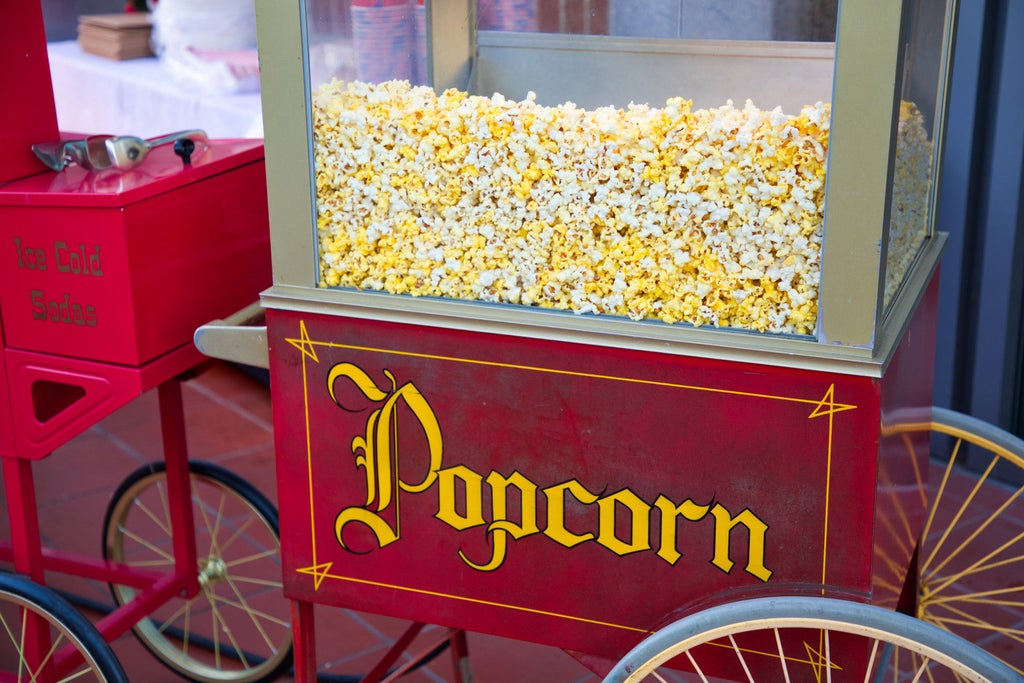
<point>880,87</point>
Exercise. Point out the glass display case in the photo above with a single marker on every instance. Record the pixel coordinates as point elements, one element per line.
<point>759,177</point>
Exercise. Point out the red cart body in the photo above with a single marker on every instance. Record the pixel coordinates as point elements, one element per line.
<point>544,490</point>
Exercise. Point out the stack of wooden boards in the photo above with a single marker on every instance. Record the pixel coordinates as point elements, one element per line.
<point>116,36</point>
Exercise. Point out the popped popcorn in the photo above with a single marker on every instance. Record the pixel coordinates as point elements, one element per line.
<point>707,217</point>
<point>909,208</point>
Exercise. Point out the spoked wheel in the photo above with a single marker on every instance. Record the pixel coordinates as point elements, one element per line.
<point>805,639</point>
<point>971,559</point>
<point>970,554</point>
<point>39,629</point>
<point>237,628</point>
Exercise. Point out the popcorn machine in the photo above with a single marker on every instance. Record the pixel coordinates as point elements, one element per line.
<point>636,307</point>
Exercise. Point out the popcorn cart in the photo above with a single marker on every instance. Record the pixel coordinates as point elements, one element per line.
<point>614,343</point>
<point>105,276</point>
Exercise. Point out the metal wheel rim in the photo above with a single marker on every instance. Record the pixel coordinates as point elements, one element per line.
<point>12,634</point>
<point>880,625</point>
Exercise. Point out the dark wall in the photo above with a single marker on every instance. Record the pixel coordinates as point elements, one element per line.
<point>981,335</point>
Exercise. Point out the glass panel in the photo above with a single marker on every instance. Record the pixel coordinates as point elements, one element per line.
<point>667,197</point>
<point>915,169</point>
<point>804,20</point>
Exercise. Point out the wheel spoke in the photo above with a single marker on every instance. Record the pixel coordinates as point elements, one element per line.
<point>269,552</point>
<point>215,631</point>
<point>980,598</point>
<point>871,662</point>
<point>211,528</point>
<point>237,534</point>
<point>163,522</point>
<point>219,620</point>
<point>970,621</point>
<point>828,656</point>
<point>939,494</point>
<point>242,606</point>
<point>693,663</point>
<point>169,621</point>
<point>269,583</point>
<point>782,654</point>
<point>741,659</point>
<point>186,629</point>
<point>919,476</point>
<point>167,558</point>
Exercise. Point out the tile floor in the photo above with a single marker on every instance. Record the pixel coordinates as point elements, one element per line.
<point>229,422</point>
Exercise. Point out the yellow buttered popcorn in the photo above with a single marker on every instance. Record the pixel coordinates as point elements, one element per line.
<point>707,217</point>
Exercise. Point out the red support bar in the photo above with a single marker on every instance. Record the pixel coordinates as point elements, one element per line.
<point>118,622</point>
<point>88,567</point>
<point>450,636</point>
<point>99,570</point>
<point>401,645</point>
<point>303,642</point>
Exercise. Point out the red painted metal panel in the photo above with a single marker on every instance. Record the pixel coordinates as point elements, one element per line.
<point>902,498</point>
<point>573,495</point>
<point>6,414</point>
<point>54,398</point>
<point>28,114</point>
<point>125,276</point>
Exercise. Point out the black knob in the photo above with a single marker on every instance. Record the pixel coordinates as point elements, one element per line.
<point>184,147</point>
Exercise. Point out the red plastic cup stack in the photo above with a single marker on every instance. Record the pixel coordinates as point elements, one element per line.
<point>507,15</point>
<point>382,32</point>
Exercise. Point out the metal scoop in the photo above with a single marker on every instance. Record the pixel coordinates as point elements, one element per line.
<point>126,151</point>
<point>100,152</point>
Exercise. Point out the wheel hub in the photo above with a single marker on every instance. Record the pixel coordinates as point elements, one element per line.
<point>213,570</point>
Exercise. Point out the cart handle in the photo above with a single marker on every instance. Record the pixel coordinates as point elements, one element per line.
<point>239,338</point>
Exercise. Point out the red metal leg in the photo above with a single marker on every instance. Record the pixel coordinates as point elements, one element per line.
<point>303,642</point>
<point>24,518</point>
<point>460,657</point>
<point>172,423</point>
<point>27,552</point>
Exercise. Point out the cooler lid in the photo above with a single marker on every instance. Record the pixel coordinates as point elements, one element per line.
<point>161,171</point>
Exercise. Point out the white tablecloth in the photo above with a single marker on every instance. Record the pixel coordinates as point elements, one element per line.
<point>138,97</point>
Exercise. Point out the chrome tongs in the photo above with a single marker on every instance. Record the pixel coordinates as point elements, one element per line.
<point>121,152</point>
